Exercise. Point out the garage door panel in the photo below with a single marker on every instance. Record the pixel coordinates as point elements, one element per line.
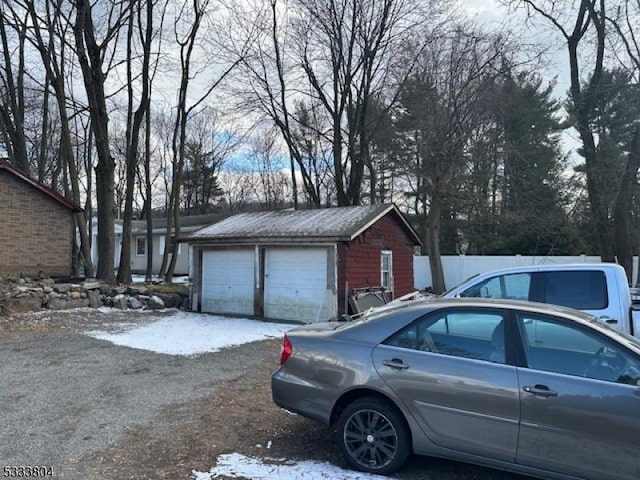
<point>228,281</point>
<point>296,284</point>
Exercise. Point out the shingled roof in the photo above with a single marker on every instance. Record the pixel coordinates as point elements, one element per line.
<point>7,167</point>
<point>294,226</point>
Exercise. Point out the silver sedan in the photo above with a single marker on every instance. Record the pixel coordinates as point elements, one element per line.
<point>531,388</point>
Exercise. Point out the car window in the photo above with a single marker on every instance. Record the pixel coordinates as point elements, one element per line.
<point>468,334</point>
<point>513,286</point>
<point>555,346</point>
<point>581,289</point>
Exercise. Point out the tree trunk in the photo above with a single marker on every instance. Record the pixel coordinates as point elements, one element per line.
<point>623,207</point>
<point>12,113</point>
<point>134,126</point>
<point>89,54</point>
<point>433,243</point>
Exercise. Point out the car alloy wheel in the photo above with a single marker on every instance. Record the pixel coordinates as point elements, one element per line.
<point>373,436</point>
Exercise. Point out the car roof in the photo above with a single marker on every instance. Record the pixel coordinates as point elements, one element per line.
<point>551,266</point>
<point>523,305</point>
<point>417,308</point>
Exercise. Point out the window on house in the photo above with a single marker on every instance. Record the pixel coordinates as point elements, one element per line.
<point>141,246</point>
<point>386,272</point>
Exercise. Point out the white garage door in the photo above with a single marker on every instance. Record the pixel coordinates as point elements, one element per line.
<point>295,284</point>
<point>228,281</point>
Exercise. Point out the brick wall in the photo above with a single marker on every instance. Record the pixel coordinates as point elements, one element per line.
<point>359,261</point>
<point>36,232</point>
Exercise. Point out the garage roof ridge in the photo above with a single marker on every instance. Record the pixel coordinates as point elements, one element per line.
<point>337,224</point>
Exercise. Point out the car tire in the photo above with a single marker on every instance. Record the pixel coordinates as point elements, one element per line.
<point>373,436</point>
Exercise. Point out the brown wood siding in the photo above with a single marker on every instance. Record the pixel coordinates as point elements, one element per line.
<point>359,261</point>
<point>35,230</point>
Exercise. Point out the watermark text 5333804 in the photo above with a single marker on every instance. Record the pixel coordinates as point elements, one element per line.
<point>27,471</point>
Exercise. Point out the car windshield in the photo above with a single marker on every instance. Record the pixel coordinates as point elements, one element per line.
<point>444,294</point>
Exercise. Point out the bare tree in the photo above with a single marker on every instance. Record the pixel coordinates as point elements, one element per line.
<point>141,23</point>
<point>439,109</point>
<point>625,23</point>
<point>270,169</point>
<point>334,56</point>
<point>12,104</point>
<point>581,25</point>
<point>92,53</point>
<point>187,36</point>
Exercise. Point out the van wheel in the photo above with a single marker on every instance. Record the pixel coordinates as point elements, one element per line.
<point>373,436</point>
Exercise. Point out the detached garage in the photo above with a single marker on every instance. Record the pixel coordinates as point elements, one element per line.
<point>300,265</point>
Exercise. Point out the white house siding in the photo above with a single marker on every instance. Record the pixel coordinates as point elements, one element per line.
<point>139,262</point>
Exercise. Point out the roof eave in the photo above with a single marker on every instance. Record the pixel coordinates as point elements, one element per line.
<point>271,240</point>
<point>398,214</point>
<point>43,188</point>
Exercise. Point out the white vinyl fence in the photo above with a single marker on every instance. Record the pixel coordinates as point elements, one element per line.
<point>458,268</point>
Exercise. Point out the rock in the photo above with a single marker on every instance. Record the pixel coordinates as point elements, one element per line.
<point>185,304</point>
<point>62,304</point>
<point>137,290</point>
<point>171,300</point>
<point>22,304</point>
<point>93,285</point>
<point>94,299</point>
<point>134,303</point>
<point>32,292</point>
<point>154,303</point>
<point>121,302</point>
<point>62,287</point>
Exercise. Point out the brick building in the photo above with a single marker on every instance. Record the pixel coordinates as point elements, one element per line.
<point>36,226</point>
<point>300,265</point>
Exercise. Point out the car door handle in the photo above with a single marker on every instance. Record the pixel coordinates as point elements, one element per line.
<point>540,391</point>
<point>395,363</point>
<point>608,320</point>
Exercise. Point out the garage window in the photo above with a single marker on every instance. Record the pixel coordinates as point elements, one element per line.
<point>386,265</point>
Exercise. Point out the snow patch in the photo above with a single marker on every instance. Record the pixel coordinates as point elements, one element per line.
<point>190,334</point>
<point>235,465</point>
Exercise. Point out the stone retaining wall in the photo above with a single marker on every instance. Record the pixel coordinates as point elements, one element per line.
<point>23,294</point>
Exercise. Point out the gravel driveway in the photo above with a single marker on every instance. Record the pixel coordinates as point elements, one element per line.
<point>93,410</point>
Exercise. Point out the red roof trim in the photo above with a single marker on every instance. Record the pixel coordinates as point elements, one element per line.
<point>4,165</point>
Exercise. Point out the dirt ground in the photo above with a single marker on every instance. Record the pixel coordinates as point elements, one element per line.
<point>238,416</point>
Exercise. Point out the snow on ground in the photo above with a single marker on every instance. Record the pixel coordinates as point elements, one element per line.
<point>156,279</point>
<point>187,333</point>
<point>235,465</point>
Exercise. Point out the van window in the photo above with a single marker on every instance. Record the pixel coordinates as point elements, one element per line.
<point>580,289</point>
<point>513,286</point>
